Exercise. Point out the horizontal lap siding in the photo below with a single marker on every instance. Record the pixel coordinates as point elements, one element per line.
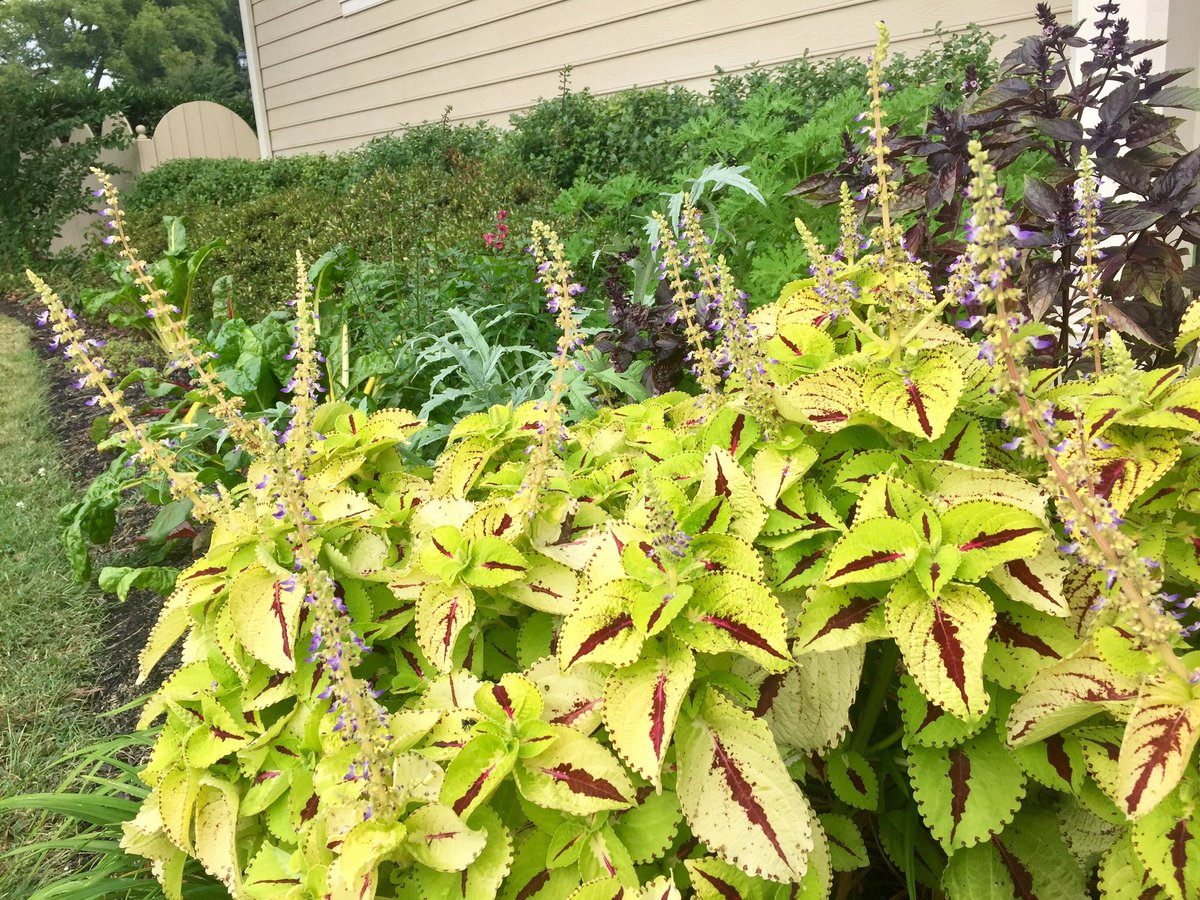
<point>331,83</point>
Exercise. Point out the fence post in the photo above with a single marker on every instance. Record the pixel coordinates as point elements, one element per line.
<point>147,156</point>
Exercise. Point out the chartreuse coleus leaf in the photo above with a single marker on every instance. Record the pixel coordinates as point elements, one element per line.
<point>574,698</point>
<point>832,618</point>
<point>484,562</point>
<point>649,828</point>
<point>737,794</point>
<point>918,397</point>
<point>987,533</point>
<point>1028,860</point>
<point>600,629</point>
<point>199,583</point>
<point>1088,835</point>
<point>1036,581</point>
<point>1136,460</point>
<point>1023,642</point>
<point>605,856</point>
<point>1057,762</point>
<point>1067,692</point>
<point>271,874</point>
<point>887,496</point>
<point>575,774</point>
<point>1165,842</point>
<point>605,888</point>
<point>826,400</point>
<point>808,706</point>
<point>943,641</point>
<point>1122,875</point>
<point>1189,325</point>
<point>482,878</point>
<point>847,849</point>
<point>642,702</point>
<point>715,879</point>
<point>774,470</point>
<point>875,550</point>
<point>730,613</point>
<point>354,871</point>
<point>143,835</point>
<point>955,484</point>
<point>443,611</point>
<point>967,791</point>
<point>725,480</point>
<point>530,878</point>
<point>216,845</point>
<point>1178,407</point>
<point>961,442</point>
<point>476,771</point>
<point>1159,739</point>
<point>853,779</point>
<point>928,725</point>
<point>438,838</point>
<point>661,888</point>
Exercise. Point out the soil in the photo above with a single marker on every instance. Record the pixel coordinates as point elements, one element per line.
<point>128,621</point>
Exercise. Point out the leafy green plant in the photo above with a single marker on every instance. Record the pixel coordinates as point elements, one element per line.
<point>880,607</point>
<point>177,271</point>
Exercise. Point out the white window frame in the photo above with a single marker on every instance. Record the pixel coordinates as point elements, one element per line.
<point>350,7</point>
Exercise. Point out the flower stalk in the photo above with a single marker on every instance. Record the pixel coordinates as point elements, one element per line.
<point>1091,523</point>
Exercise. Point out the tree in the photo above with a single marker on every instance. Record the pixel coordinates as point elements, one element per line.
<point>131,41</point>
<point>42,172</point>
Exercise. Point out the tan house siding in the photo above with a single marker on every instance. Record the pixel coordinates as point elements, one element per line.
<point>330,82</point>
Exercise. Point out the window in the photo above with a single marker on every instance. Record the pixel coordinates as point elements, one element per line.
<point>349,7</point>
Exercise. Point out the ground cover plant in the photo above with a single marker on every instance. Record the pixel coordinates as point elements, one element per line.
<point>883,607</point>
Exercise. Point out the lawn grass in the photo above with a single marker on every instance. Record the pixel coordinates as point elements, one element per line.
<point>50,626</point>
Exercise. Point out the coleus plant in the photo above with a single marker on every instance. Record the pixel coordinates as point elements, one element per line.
<point>821,628</point>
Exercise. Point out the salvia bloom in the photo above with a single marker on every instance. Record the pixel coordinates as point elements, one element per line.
<point>703,364</point>
<point>554,273</point>
<point>172,333</point>
<point>1091,524</point>
<point>669,540</point>
<point>96,378</point>
<point>1087,215</point>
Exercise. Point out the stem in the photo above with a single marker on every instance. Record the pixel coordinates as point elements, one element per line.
<point>873,705</point>
<point>1132,595</point>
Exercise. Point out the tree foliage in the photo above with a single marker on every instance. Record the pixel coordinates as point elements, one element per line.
<point>135,41</point>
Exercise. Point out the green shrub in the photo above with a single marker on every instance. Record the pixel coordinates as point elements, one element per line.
<point>431,145</point>
<point>579,135</point>
<point>393,217</point>
<point>185,184</point>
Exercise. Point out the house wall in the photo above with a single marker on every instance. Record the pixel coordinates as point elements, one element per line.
<point>331,74</point>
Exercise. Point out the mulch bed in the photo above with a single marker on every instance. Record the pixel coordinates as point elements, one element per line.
<point>129,621</point>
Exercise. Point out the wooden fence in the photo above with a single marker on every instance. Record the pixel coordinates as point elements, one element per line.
<point>199,129</point>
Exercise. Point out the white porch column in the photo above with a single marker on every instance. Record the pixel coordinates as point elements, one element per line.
<point>1176,20</point>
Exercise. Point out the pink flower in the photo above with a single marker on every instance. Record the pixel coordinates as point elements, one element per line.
<point>489,239</point>
<point>501,215</point>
